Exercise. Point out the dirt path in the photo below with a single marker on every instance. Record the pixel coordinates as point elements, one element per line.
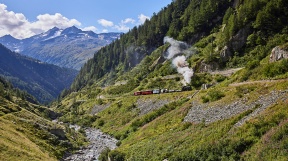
<point>227,72</point>
<point>259,81</point>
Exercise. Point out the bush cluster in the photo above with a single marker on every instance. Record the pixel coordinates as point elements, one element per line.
<point>212,95</point>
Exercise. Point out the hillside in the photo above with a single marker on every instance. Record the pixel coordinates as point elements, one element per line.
<point>26,130</point>
<point>43,81</point>
<point>234,56</point>
<point>70,47</point>
<point>226,34</point>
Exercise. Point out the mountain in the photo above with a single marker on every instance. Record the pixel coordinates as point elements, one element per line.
<point>200,80</point>
<point>70,47</point>
<point>44,81</point>
<point>223,54</point>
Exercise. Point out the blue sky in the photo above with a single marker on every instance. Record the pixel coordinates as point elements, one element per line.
<point>25,18</point>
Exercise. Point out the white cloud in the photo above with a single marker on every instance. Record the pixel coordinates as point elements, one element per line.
<point>46,21</point>
<point>142,18</point>
<point>122,27</point>
<point>90,28</point>
<point>105,23</point>
<point>17,25</point>
<point>128,20</point>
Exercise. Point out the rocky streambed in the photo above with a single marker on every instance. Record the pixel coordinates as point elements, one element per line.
<point>98,142</point>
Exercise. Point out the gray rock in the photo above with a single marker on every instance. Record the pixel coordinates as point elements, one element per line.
<point>278,54</point>
<point>225,54</point>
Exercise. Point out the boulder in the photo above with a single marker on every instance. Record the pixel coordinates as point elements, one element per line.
<point>278,54</point>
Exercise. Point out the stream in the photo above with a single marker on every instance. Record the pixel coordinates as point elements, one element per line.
<point>98,142</point>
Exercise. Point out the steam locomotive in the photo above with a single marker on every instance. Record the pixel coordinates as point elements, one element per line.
<point>158,91</point>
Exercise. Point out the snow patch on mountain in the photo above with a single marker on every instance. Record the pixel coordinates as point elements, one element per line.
<point>57,33</point>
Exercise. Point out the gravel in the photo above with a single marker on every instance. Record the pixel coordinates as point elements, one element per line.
<point>98,108</point>
<point>148,105</point>
<point>263,103</point>
<point>208,114</point>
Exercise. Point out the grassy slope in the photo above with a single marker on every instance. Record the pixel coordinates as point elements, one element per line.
<point>15,144</point>
<point>18,134</point>
<point>168,137</point>
<point>25,134</point>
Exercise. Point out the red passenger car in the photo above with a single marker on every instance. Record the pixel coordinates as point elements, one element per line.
<point>143,92</point>
<point>147,92</point>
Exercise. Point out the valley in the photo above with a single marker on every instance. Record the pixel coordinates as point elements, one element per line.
<point>199,80</point>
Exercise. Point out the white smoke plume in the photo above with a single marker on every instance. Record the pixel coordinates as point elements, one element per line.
<point>178,51</point>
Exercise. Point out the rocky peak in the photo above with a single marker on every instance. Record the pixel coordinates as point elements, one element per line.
<point>71,30</point>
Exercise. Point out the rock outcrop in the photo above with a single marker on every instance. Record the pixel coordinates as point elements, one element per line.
<point>235,43</point>
<point>225,54</point>
<point>278,54</point>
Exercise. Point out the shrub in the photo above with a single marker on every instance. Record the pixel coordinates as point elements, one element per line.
<point>116,156</point>
<point>276,68</point>
<point>245,75</point>
<point>118,143</point>
<point>205,99</point>
<point>87,120</point>
<point>252,64</point>
<point>220,78</point>
<point>198,79</point>
<point>212,95</point>
<point>240,91</point>
<point>101,122</point>
<point>215,95</point>
<point>185,125</point>
<point>104,155</point>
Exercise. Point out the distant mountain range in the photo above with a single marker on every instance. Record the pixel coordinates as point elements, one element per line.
<point>43,81</point>
<point>70,47</point>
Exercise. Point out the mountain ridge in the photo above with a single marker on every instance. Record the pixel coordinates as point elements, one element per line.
<point>70,47</point>
<point>44,81</point>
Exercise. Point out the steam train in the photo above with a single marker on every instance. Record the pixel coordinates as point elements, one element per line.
<point>158,91</point>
